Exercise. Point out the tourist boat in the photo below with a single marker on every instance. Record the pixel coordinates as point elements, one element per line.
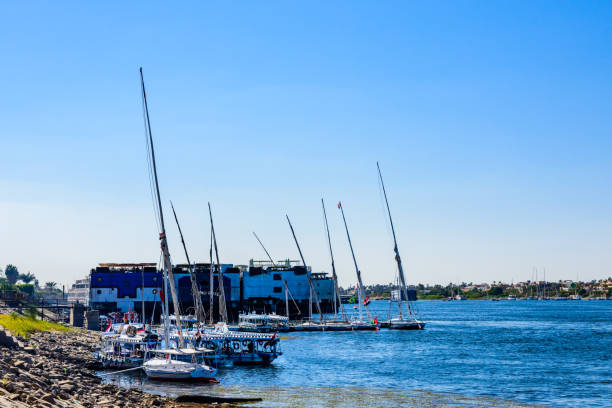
<point>180,365</point>
<point>263,323</point>
<point>187,321</point>
<point>576,297</point>
<point>127,349</point>
<point>228,347</point>
<point>511,297</point>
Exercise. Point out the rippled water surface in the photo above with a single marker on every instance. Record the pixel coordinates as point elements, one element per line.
<point>472,353</point>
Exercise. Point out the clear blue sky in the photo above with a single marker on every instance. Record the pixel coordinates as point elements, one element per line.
<point>492,122</point>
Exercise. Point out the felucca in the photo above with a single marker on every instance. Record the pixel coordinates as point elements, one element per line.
<point>359,323</point>
<point>170,363</point>
<point>409,320</point>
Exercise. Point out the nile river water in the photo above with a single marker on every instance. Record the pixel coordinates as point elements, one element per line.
<point>472,353</point>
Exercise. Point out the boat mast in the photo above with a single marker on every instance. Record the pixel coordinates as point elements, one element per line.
<point>333,266</point>
<point>264,248</point>
<point>211,292</point>
<point>143,296</point>
<point>313,293</point>
<point>222,305</point>
<point>395,248</point>
<point>360,291</point>
<point>195,290</point>
<point>168,275</point>
<point>286,298</point>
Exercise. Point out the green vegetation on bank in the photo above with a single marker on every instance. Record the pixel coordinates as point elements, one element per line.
<point>498,290</point>
<point>25,325</point>
<point>24,286</point>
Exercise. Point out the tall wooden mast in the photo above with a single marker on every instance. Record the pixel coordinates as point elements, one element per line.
<point>168,275</point>
<point>211,292</point>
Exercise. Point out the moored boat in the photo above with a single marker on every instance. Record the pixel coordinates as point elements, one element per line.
<point>230,347</point>
<point>404,324</point>
<point>179,365</point>
<point>407,320</point>
<point>126,349</point>
<point>263,323</point>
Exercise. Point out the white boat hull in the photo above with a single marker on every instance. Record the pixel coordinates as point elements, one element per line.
<point>171,370</point>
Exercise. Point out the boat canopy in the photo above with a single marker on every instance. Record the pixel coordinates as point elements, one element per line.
<point>183,351</point>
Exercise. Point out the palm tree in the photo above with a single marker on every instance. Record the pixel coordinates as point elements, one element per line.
<point>12,274</point>
<point>50,285</point>
<point>27,277</point>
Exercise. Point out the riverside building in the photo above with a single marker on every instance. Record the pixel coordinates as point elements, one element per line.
<point>123,287</point>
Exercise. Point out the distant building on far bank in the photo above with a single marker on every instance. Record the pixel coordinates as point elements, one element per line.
<point>397,294</point>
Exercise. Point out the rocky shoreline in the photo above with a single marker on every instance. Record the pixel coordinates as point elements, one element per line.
<point>57,369</point>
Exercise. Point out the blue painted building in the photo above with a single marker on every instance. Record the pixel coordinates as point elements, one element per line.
<point>122,287</point>
<point>263,289</point>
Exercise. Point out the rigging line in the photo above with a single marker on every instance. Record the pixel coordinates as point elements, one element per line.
<point>149,164</point>
<point>152,183</point>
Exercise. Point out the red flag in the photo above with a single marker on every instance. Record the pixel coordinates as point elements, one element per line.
<point>339,205</point>
<point>271,340</point>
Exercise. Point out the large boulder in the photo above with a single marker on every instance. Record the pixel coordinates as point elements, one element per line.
<point>7,339</point>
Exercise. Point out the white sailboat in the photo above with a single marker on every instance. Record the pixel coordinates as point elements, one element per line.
<point>180,365</point>
<point>409,320</point>
<point>170,363</point>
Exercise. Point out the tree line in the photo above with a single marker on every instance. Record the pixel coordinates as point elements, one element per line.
<point>27,283</point>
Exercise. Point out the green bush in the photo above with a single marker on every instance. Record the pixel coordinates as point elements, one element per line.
<point>26,288</point>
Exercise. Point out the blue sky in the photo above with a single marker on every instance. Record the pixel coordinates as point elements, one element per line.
<point>491,120</point>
